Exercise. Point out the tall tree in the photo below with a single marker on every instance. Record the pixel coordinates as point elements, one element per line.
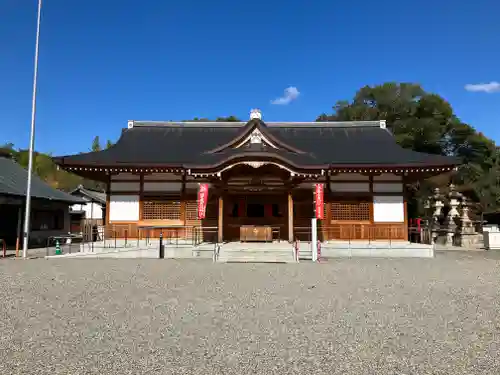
<point>109,144</point>
<point>425,122</point>
<point>96,144</point>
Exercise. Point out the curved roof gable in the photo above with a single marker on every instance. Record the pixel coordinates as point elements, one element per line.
<point>256,132</point>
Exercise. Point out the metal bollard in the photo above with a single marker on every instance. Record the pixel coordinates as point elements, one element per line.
<point>162,250</point>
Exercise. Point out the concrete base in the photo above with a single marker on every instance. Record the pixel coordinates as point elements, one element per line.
<point>238,252</point>
<point>257,252</point>
<point>133,249</point>
<point>377,249</point>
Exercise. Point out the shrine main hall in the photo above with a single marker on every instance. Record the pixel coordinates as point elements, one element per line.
<point>258,181</point>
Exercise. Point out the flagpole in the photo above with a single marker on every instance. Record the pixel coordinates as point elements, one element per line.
<point>27,213</point>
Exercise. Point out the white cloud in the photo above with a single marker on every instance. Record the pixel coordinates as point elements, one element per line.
<point>290,94</point>
<point>489,88</point>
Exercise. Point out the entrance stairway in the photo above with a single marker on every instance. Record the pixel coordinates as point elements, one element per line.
<point>255,252</point>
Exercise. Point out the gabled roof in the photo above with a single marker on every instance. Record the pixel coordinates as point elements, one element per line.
<point>13,180</point>
<point>256,128</point>
<point>90,195</point>
<point>302,145</point>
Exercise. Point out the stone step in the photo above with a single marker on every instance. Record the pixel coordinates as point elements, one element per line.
<point>256,255</point>
<point>247,259</point>
<point>253,251</point>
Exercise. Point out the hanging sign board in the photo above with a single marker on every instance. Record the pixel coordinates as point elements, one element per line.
<point>318,198</point>
<point>202,200</point>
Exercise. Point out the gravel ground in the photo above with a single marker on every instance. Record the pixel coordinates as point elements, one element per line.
<point>360,316</point>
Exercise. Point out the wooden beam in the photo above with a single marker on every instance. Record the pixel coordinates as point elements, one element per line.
<point>290,217</point>
<point>220,234</point>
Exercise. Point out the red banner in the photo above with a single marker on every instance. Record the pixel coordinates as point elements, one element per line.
<point>318,197</point>
<point>202,200</point>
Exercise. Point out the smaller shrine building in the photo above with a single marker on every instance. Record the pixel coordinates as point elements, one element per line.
<point>259,180</point>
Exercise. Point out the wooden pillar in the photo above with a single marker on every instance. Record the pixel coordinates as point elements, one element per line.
<point>371,196</point>
<point>220,234</point>
<point>327,221</point>
<point>290,217</point>
<point>141,196</point>
<point>108,207</point>
<point>108,199</point>
<point>19,228</point>
<point>183,200</point>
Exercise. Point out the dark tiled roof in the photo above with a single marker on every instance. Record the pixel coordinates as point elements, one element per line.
<point>301,144</point>
<point>13,180</point>
<point>91,195</point>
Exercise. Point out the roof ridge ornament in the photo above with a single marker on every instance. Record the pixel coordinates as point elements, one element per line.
<point>255,114</point>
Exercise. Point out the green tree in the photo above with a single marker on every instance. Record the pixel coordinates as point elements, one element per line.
<point>96,144</point>
<point>228,119</point>
<point>7,149</point>
<point>425,122</point>
<point>218,119</point>
<point>109,144</point>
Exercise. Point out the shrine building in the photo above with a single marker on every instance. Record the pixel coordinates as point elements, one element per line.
<point>258,181</point>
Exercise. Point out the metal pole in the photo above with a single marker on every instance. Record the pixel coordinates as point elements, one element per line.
<point>162,249</point>
<point>27,214</point>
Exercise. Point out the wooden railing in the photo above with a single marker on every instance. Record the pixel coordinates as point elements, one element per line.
<point>354,232</point>
<point>195,234</point>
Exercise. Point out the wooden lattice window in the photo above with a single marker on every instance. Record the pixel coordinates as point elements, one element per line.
<point>191,210</point>
<point>161,209</point>
<point>350,211</point>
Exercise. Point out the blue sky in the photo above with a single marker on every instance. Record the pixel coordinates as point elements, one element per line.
<point>105,62</point>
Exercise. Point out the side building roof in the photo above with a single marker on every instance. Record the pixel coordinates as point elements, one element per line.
<point>13,180</point>
<point>301,145</point>
<point>90,195</point>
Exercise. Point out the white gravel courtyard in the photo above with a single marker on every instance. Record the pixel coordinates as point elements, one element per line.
<point>346,316</point>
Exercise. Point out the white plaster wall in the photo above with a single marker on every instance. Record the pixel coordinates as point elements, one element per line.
<point>162,186</point>
<point>355,187</point>
<point>125,186</point>
<point>124,208</point>
<point>349,177</point>
<point>387,177</point>
<point>76,207</point>
<point>388,209</point>
<point>125,176</point>
<point>380,187</point>
<point>93,211</point>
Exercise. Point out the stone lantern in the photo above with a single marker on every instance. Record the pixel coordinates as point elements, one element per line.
<point>468,235</point>
<point>453,215</point>
<point>437,204</point>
